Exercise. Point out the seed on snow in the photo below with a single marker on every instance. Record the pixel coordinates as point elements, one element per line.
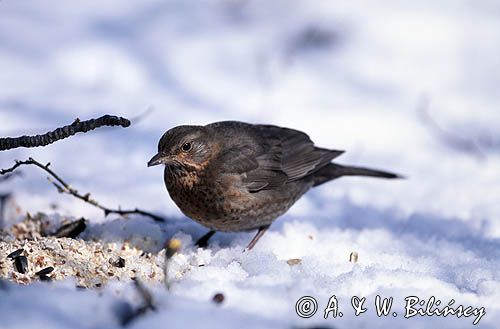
<point>21,264</point>
<point>45,271</point>
<point>15,254</point>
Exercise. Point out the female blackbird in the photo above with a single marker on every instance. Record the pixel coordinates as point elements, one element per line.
<point>233,176</point>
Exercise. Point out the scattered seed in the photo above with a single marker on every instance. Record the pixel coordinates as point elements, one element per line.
<point>353,257</point>
<point>45,278</point>
<point>218,298</point>
<point>45,271</point>
<point>21,264</point>
<point>294,261</point>
<point>15,254</point>
<point>71,230</point>
<point>172,247</point>
<point>119,262</point>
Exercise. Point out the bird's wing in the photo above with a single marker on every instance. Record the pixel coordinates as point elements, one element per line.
<point>270,156</point>
<point>259,169</point>
<point>299,157</point>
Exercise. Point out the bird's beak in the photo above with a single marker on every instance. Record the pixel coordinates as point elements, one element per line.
<point>158,159</point>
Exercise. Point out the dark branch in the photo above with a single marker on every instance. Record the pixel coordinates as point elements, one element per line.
<point>476,142</point>
<point>60,133</point>
<point>147,305</point>
<point>141,116</point>
<point>63,187</point>
<point>9,176</point>
<point>455,141</point>
<point>3,199</point>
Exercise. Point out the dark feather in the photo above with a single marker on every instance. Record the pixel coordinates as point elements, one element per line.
<point>269,156</point>
<point>333,171</point>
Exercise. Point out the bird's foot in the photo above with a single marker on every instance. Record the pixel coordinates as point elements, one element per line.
<point>256,238</point>
<point>203,241</point>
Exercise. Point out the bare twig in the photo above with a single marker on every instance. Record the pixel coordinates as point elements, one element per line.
<point>146,306</point>
<point>141,116</point>
<point>3,199</point>
<point>171,249</point>
<point>60,133</point>
<point>9,176</point>
<point>63,187</point>
<point>457,141</point>
<point>72,229</point>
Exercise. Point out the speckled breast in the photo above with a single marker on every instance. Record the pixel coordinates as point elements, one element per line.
<point>222,204</point>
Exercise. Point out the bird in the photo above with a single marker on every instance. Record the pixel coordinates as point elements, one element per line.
<point>233,176</point>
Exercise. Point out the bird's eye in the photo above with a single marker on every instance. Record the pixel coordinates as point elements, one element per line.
<point>186,147</point>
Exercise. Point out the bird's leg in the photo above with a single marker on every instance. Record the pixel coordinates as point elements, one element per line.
<point>203,241</point>
<point>260,233</point>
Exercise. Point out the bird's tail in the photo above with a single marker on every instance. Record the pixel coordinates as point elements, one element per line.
<point>333,171</point>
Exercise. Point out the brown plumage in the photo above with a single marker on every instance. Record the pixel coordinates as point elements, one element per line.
<point>234,176</point>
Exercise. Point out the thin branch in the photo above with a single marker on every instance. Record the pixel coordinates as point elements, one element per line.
<point>453,140</point>
<point>456,141</point>
<point>171,249</point>
<point>147,305</point>
<point>3,199</point>
<point>10,176</point>
<point>63,187</point>
<point>141,116</point>
<point>50,137</point>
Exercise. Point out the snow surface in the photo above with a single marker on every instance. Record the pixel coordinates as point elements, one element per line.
<point>354,75</point>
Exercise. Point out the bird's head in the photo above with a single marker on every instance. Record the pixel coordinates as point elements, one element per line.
<point>183,146</point>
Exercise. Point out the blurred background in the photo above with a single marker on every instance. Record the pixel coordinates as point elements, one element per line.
<point>405,86</point>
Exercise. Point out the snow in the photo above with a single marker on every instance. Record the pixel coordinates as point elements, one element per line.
<point>360,85</point>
